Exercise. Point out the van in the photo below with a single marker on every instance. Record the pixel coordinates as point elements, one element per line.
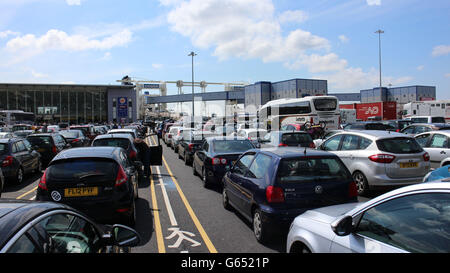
<point>427,119</point>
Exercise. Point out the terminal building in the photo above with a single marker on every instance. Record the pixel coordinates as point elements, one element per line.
<point>73,103</point>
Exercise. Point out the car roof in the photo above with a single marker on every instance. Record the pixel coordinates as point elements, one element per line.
<point>214,138</point>
<point>440,125</point>
<point>44,134</point>
<point>88,152</point>
<point>116,135</point>
<point>14,214</point>
<point>374,134</point>
<point>121,130</point>
<point>442,132</point>
<point>288,152</point>
<point>289,132</point>
<point>12,139</point>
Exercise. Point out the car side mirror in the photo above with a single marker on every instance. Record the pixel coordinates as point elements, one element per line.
<point>343,226</point>
<point>125,236</point>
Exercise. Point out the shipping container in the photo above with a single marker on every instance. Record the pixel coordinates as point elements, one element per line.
<point>384,110</point>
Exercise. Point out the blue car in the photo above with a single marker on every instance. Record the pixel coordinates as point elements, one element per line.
<point>270,187</point>
<point>441,174</point>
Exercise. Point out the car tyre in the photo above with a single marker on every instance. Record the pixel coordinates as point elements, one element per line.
<point>194,171</point>
<point>259,228</point>
<point>131,221</point>
<point>361,182</point>
<point>225,201</point>
<point>19,175</point>
<point>186,161</point>
<point>205,178</point>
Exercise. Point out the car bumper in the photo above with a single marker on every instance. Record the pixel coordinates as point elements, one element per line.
<point>280,220</point>
<point>384,180</point>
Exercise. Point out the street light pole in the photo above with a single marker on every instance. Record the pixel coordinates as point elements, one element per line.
<point>379,32</point>
<point>193,113</point>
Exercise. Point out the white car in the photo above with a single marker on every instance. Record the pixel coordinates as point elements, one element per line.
<point>437,144</point>
<point>173,131</point>
<point>410,219</point>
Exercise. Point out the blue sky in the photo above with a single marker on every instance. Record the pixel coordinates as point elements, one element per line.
<point>99,41</point>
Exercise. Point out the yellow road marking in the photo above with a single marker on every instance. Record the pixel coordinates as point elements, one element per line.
<point>20,197</point>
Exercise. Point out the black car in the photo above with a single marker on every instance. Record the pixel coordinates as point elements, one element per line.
<point>48,227</point>
<point>99,181</point>
<point>215,154</point>
<point>287,139</point>
<point>190,142</point>
<point>270,187</point>
<point>397,125</point>
<point>418,128</point>
<point>76,138</point>
<point>48,145</point>
<point>368,125</point>
<point>18,158</point>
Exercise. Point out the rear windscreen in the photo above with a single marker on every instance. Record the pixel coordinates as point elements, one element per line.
<point>438,120</point>
<point>231,146</point>
<point>399,146</point>
<point>40,140</point>
<point>420,120</point>
<point>311,170</point>
<point>376,126</point>
<point>3,148</point>
<point>296,139</point>
<point>82,169</point>
<point>69,134</point>
<point>113,142</point>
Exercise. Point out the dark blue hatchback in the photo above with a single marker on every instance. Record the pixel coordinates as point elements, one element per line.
<point>270,187</point>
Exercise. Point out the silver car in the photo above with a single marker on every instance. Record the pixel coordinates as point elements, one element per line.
<point>410,219</point>
<point>380,158</point>
<point>437,144</point>
<point>173,131</point>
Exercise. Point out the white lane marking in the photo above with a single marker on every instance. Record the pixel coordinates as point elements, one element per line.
<point>173,221</point>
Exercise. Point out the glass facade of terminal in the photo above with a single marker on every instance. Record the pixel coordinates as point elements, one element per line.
<point>58,103</point>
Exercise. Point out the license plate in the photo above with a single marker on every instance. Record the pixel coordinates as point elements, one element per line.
<point>409,165</point>
<point>80,192</point>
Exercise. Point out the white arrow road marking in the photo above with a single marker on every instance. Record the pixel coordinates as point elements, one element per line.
<point>181,236</point>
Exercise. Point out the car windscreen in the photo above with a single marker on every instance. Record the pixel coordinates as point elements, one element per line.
<point>40,140</point>
<point>3,148</point>
<point>312,169</point>
<point>295,139</point>
<point>437,120</point>
<point>112,142</point>
<point>376,126</point>
<point>325,104</point>
<point>70,134</point>
<point>399,145</point>
<point>231,146</point>
<point>82,168</point>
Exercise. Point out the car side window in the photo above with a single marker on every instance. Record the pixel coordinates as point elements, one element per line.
<point>27,144</point>
<point>24,245</point>
<point>364,143</point>
<point>409,130</point>
<point>70,234</point>
<point>421,129</point>
<point>260,166</point>
<point>439,141</point>
<point>332,144</point>
<point>350,143</point>
<point>415,223</point>
<point>423,139</point>
<point>205,146</point>
<point>14,148</point>
<point>241,166</point>
<point>21,146</point>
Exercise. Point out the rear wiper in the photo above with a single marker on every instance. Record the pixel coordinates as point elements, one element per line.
<point>91,174</point>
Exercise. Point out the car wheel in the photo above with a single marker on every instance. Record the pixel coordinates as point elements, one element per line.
<point>194,171</point>
<point>361,182</point>
<point>225,201</point>
<point>186,162</point>
<point>259,228</point>
<point>205,178</point>
<point>131,222</point>
<point>19,176</point>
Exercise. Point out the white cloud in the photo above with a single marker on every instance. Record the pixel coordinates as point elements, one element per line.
<point>441,50</point>
<point>6,33</point>
<point>374,2</point>
<point>157,66</point>
<point>38,75</point>
<point>420,67</point>
<point>343,39</point>
<point>295,16</point>
<point>73,2</point>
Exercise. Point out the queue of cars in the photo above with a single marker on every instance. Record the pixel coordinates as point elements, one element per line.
<point>86,188</point>
<point>307,189</point>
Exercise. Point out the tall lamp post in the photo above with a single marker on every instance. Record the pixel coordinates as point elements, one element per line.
<point>193,113</point>
<point>379,32</point>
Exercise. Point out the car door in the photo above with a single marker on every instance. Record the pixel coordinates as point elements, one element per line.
<point>24,156</point>
<point>236,179</point>
<point>409,223</point>
<point>438,149</point>
<point>349,150</point>
<point>200,156</point>
<point>333,144</point>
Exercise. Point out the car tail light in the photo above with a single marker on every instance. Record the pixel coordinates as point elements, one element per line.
<point>121,177</point>
<point>216,161</point>
<point>133,154</point>
<point>54,150</point>
<point>282,145</point>
<point>382,158</point>
<point>352,190</point>
<point>75,140</point>
<point>426,157</point>
<point>8,161</point>
<point>312,145</point>
<point>43,181</point>
<point>191,147</point>
<point>274,194</point>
